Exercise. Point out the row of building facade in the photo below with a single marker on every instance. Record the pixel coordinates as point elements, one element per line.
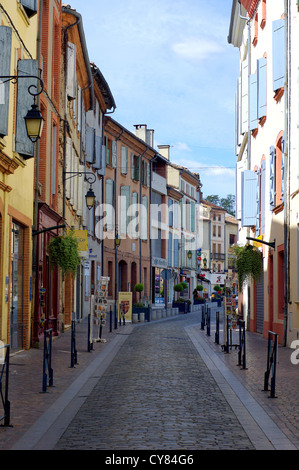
<point>146,225</point>
<point>267,168</point>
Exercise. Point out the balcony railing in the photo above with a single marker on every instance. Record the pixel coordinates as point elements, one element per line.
<point>218,256</point>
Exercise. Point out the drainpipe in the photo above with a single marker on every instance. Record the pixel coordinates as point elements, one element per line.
<point>287,146</point>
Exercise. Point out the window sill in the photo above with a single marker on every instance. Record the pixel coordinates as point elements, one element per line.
<point>278,209</point>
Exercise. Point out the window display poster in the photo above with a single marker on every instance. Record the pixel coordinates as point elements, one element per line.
<point>125,306</point>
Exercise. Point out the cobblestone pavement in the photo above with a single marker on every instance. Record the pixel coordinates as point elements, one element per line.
<point>157,393</point>
<point>161,385</point>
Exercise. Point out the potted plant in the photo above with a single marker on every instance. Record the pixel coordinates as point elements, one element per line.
<point>180,303</point>
<point>217,298</point>
<point>139,306</point>
<point>198,299</point>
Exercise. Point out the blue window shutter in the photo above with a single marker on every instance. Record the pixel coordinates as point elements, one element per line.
<point>263,194</point>
<point>261,87</point>
<point>114,153</point>
<point>5,48</point>
<point>244,97</point>
<point>170,249</point>
<point>258,202</point>
<point>124,160</point>
<point>97,165</point>
<point>272,177</point>
<point>90,144</point>
<point>23,145</point>
<point>278,53</point>
<point>30,7</point>
<point>176,253</point>
<point>192,216</point>
<point>249,180</point>
<point>253,101</point>
<point>170,212</point>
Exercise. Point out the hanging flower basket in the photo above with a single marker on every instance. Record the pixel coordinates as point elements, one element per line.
<point>248,263</point>
<point>64,253</point>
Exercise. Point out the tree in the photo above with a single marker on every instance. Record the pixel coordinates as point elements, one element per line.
<point>227,203</point>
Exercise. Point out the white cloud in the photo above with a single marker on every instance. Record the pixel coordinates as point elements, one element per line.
<point>197,49</point>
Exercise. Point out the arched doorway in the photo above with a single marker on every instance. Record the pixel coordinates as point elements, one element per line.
<point>134,281</point>
<point>122,276</point>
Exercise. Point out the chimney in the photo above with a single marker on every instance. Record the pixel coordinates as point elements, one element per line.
<point>164,150</point>
<point>145,134</point>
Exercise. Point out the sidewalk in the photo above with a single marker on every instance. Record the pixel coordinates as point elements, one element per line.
<point>27,400</point>
<point>283,409</point>
<point>28,403</point>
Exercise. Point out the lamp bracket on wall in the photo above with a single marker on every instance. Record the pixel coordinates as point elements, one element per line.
<point>14,79</point>
<point>89,175</point>
<point>271,244</point>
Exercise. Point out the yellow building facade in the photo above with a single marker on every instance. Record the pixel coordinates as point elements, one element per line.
<point>18,36</point>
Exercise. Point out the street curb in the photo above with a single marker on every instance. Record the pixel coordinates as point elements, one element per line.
<point>48,429</point>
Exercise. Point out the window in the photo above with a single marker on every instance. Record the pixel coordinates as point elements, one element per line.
<point>124,160</point>
<point>109,205</point>
<point>124,209</point>
<point>144,218</point>
<point>278,54</point>
<point>219,231</point>
<point>135,167</point>
<point>214,230</point>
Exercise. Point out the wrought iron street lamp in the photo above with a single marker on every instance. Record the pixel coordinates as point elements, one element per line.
<point>91,179</point>
<point>34,120</point>
<point>34,123</point>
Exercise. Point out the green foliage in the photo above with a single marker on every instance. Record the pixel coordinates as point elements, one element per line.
<point>199,287</point>
<point>217,288</point>
<point>64,253</point>
<point>139,287</point>
<point>249,265</point>
<point>227,203</point>
<point>185,285</point>
<point>178,287</point>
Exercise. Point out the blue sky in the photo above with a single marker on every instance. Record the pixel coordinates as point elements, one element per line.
<point>169,65</point>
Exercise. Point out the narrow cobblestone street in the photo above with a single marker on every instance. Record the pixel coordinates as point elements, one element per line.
<point>157,393</point>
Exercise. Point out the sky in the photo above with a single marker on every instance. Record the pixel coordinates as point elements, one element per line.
<point>168,65</point>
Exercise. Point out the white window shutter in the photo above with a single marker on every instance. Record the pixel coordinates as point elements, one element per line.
<point>71,79</point>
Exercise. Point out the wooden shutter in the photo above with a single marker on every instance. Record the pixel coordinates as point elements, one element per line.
<point>68,164</point>
<point>170,212</point>
<point>5,48</point>
<point>249,181</point>
<point>109,205</point>
<point>124,209</point>
<point>71,78</point>
<point>244,97</point>
<point>261,87</point>
<point>253,101</point>
<point>30,7</point>
<point>54,158</point>
<point>124,160</point>
<point>148,175</point>
<point>132,166</point>
<point>258,202</point>
<point>97,165</point>
<point>23,145</point>
<point>176,253</point>
<point>90,144</point>
<point>135,214</point>
<point>192,216</point>
<point>144,218</point>
<point>170,249</point>
<point>278,53</point>
<point>272,177</point>
<point>114,154</point>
